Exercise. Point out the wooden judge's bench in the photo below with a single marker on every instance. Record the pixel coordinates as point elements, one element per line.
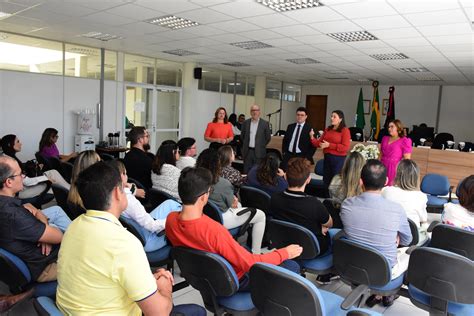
<point>453,164</point>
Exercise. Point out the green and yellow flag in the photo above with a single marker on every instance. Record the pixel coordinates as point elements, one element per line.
<point>375,116</point>
<point>360,117</point>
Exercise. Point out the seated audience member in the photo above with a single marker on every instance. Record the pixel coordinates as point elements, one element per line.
<point>266,176</point>
<point>190,228</point>
<point>137,160</point>
<point>48,148</point>
<point>187,148</point>
<point>295,206</point>
<point>406,192</point>
<point>165,174</point>
<point>347,183</point>
<point>222,194</point>
<point>227,157</point>
<point>32,185</point>
<point>150,223</point>
<point>462,214</point>
<point>103,268</point>
<point>30,234</point>
<point>371,219</point>
<point>83,161</point>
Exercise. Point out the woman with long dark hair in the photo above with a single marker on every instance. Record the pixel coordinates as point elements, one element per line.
<point>335,142</point>
<point>267,176</point>
<point>48,148</point>
<point>164,173</point>
<point>219,130</point>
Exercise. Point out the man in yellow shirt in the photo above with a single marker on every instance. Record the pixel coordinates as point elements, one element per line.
<point>102,268</point>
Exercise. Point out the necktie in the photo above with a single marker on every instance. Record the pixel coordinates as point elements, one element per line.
<point>296,138</point>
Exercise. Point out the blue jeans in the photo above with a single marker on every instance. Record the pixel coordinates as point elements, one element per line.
<point>293,266</point>
<point>332,166</point>
<point>188,310</point>
<point>57,218</point>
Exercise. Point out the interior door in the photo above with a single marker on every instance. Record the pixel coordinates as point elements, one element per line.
<point>316,105</point>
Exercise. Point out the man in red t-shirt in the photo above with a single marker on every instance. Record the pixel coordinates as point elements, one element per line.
<point>190,228</point>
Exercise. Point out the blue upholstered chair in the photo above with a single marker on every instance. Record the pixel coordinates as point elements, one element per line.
<point>17,276</point>
<point>277,291</point>
<point>256,198</point>
<point>364,268</point>
<point>436,185</point>
<point>282,234</point>
<point>316,186</point>
<point>216,281</point>
<point>444,285</point>
<point>453,239</point>
<point>45,306</point>
<point>156,197</point>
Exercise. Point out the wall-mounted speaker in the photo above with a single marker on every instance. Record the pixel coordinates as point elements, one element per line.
<point>197,73</point>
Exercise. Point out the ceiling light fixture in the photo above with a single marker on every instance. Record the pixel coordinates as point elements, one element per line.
<point>303,61</point>
<point>101,36</point>
<point>172,22</point>
<point>357,36</point>
<point>251,45</point>
<point>180,52</point>
<point>427,77</point>
<point>337,72</point>
<point>83,51</point>
<point>364,80</point>
<point>236,64</point>
<point>290,5</point>
<point>389,56</point>
<point>414,69</point>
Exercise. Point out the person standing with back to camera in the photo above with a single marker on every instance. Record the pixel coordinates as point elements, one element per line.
<point>335,142</point>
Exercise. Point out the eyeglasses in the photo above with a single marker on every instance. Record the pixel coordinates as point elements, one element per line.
<point>209,191</point>
<point>13,176</point>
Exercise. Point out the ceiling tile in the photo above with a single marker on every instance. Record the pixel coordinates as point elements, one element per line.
<point>365,9</point>
<point>231,38</point>
<point>315,39</point>
<point>67,9</point>
<point>336,26</point>
<point>453,39</point>
<point>11,8</point>
<point>96,5</point>
<point>16,28</point>
<point>168,6</point>
<point>108,19</point>
<point>271,20</point>
<point>412,41</point>
<point>261,35</point>
<point>312,15</point>
<point>411,6</point>
<point>205,16</point>
<point>446,29</point>
<point>242,9</point>
<point>134,11</point>
<point>436,18</point>
<point>234,25</point>
<point>382,22</point>
<point>281,42</point>
<point>203,30</point>
<point>396,33</point>
<point>45,15</point>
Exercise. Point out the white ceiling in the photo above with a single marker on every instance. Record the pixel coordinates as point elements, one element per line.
<point>434,34</point>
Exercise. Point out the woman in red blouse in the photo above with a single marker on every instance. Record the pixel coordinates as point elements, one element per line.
<point>335,142</point>
<point>219,130</point>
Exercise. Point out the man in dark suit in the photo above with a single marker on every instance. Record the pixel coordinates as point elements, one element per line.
<point>255,137</point>
<point>296,142</point>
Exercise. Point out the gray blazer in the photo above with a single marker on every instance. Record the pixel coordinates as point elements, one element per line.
<point>261,139</point>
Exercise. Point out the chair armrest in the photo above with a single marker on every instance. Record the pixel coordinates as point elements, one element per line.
<point>432,226</point>
<point>410,249</point>
<point>357,313</point>
<point>339,235</point>
<point>360,292</point>
<point>451,188</point>
<point>246,224</point>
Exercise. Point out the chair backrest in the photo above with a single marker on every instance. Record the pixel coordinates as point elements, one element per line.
<point>435,184</point>
<point>319,167</point>
<point>132,227</point>
<point>444,275</point>
<point>137,183</point>
<point>45,306</point>
<point>275,152</point>
<point>75,210</point>
<point>15,273</point>
<point>65,169</point>
<point>414,233</point>
<point>442,139</point>
<point>213,211</point>
<point>209,273</point>
<point>354,131</point>
<point>61,194</point>
<point>283,233</point>
<point>253,197</point>
<point>280,132</point>
<point>277,291</point>
<point>106,157</point>
<point>453,239</point>
<point>360,264</point>
<point>49,163</point>
<point>155,197</point>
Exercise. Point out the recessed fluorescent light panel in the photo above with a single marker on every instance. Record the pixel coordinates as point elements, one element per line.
<point>236,64</point>
<point>251,45</point>
<point>302,61</point>
<point>337,72</point>
<point>427,77</point>
<point>364,80</point>
<point>290,5</point>
<point>308,81</point>
<point>101,36</point>
<point>172,22</point>
<point>357,36</point>
<point>390,56</point>
<point>420,69</point>
<point>180,52</point>
<point>83,51</point>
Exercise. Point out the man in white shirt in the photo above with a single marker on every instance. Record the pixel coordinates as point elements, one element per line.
<point>188,150</point>
<point>255,137</point>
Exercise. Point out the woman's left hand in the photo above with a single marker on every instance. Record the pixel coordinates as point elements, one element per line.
<point>140,193</point>
<point>324,144</point>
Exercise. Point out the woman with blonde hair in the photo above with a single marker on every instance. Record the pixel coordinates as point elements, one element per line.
<point>83,161</point>
<point>347,183</point>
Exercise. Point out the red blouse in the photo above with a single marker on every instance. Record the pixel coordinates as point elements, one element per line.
<point>339,142</point>
<point>219,130</point>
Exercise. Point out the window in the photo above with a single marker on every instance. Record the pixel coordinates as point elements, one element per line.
<point>210,81</point>
<point>22,53</point>
<point>291,92</point>
<point>82,61</point>
<point>168,73</point>
<point>139,69</point>
<point>273,90</point>
<point>251,85</point>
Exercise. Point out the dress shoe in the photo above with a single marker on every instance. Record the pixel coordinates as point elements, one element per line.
<point>388,300</point>
<point>8,301</point>
<point>372,301</point>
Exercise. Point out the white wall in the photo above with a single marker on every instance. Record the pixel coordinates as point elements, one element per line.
<point>413,105</point>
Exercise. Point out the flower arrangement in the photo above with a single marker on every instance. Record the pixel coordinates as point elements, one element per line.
<point>369,151</point>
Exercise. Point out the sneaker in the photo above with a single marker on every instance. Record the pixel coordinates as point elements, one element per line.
<point>388,300</point>
<point>372,301</point>
<point>326,278</point>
